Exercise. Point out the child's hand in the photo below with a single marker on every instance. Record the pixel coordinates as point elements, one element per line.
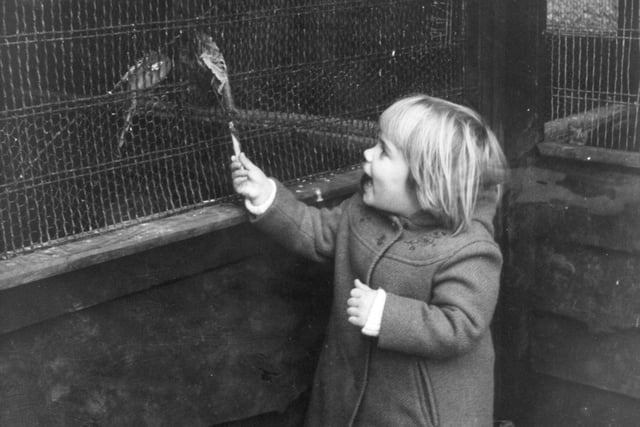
<point>249,180</point>
<point>360,303</point>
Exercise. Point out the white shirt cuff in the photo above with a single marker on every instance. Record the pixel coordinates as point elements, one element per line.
<point>372,326</point>
<point>262,208</point>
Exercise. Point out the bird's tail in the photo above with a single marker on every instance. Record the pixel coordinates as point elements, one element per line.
<point>127,124</point>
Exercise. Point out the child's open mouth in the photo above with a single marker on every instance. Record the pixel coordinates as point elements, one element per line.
<point>365,182</point>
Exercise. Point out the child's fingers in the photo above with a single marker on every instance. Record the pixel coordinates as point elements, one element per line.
<point>246,163</point>
<point>240,184</point>
<point>359,285</point>
<point>355,292</point>
<point>235,165</point>
<point>353,302</point>
<point>239,173</point>
<point>356,320</point>
<point>354,317</point>
<point>353,312</point>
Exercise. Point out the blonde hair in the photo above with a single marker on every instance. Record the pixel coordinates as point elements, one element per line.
<point>451,154</point>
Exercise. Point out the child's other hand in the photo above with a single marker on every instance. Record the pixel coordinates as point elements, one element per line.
<point>360,303</point>
<point>249,180</point>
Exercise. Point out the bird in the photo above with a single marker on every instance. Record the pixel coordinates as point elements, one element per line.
<point>209,57</point>
<point>147,72</point>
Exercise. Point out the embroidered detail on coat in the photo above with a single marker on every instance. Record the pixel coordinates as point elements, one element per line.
<point>427,239</point>
<point>364,218</point>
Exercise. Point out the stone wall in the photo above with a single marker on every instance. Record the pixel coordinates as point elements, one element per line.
<point>569,322</point>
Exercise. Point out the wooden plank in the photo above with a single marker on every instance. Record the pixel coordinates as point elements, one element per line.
<point>577,128</point>
<point>566,349</point>
<point>255,118</point>
<point>556,403</point>
<point>596,208</point>
<point>141,237</point>
<point>102,278</point>
<point>590,154</point>
<point>116,244</point>
<point>226,344</point>
<point>597,287</point>
<point>50,297</point>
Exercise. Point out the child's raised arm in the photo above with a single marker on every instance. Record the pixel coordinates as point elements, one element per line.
<point>306,230</point>
<point>249,181</point>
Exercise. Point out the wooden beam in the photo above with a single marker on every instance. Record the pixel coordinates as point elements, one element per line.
<point>256,118</point>
<point>590,154</point>
<point>565,349</point>
<point>597,287</point>
<point>224,344</point>
<point>144,236</point>
<point>523,77</point>
<point>576,206</point>
<point>116,244</point>
<point>576,129</point>
<point>555,402</point>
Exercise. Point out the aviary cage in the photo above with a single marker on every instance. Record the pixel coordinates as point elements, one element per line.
<point>593,49</point>
<point>83,151</point>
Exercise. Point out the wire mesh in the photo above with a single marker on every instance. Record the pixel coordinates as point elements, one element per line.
<point>83,151</point>
<point>594,52</point>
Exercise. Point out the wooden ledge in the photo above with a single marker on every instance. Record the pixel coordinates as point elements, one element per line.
<point>148,235</point>
<point>590,154</point>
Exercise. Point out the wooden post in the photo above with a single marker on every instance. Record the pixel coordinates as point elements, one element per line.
<point>525,78</point>
<point>485,60</point>
<point>518,84</point>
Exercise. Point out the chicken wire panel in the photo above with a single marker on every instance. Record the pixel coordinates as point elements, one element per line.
<point>108,117</point>
<point>594,52</point>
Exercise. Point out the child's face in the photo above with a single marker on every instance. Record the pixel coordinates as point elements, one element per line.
<point>385,185</point>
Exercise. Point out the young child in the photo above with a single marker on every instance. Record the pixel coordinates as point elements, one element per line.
<point>417,270</point>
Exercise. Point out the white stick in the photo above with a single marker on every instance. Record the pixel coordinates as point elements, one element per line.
<point>234,140</point>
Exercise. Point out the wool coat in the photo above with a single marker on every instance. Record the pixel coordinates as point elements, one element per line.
<point>433,361</point>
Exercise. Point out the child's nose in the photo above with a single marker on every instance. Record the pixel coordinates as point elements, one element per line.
<point>367,154</point>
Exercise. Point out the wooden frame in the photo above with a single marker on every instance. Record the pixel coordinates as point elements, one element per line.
<point>148,235</point>
<point>560,141</point>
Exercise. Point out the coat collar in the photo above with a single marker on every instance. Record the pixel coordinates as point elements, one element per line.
<point>419,220</point>
<point>484,212</point>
